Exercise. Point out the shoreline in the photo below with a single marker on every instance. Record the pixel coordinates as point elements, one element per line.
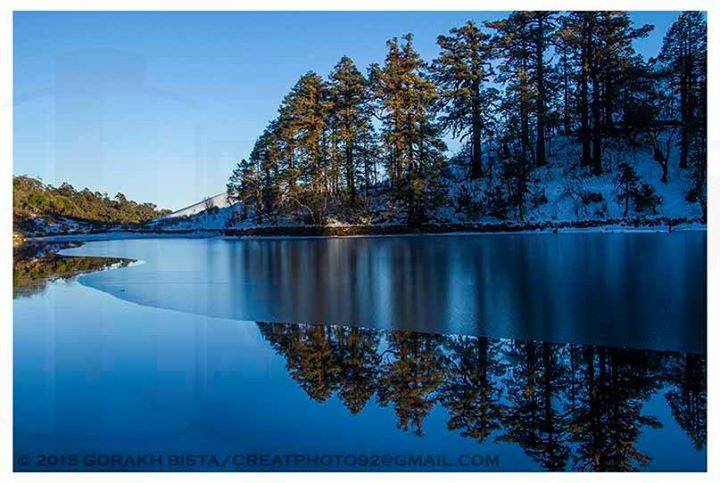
<point>662,224</point>
<point>655,225</point>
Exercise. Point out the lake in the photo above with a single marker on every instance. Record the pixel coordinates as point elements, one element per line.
<point>574,351</point>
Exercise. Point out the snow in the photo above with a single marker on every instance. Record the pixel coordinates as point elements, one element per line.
<point>218,201</point>
<point>563,182</point>
<point>56,225</point>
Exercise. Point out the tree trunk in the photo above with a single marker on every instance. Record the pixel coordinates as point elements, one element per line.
<point>476,167</point>
<point>607,103</point>
<point>350,171</point>
<point>663,162</point>
<point>596,113</point>
<point>540,159</point>
<point>627,200</point>
<point>684,121</point>
<point>566,95</point>
<point>524,114</point>
<point>584,115</point>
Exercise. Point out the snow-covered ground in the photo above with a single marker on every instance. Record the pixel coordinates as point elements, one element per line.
<point>213,213</point>
<point>567,187</point>
<point>34,225</point>
<point>570,194</point>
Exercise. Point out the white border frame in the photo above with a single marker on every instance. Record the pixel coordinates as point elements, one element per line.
<point>6,117</point>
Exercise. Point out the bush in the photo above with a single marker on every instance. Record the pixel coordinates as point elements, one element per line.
<point>626,184</point>
<point>589,197</point>
<point>538,197</point>
<point>496,203</point>
<point>466,204</point>
<point>646,199</point>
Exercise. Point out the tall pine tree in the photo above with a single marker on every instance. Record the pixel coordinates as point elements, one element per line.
<point>407,106</point>
<point>461,72</point>
<point>350,119</point>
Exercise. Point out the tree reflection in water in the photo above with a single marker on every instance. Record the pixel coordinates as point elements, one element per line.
<point>569,407</point>
<point>36,264</point>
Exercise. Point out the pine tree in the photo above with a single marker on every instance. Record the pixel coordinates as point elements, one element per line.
<point>683,57</point>
<point>542,27</point>
<point>565,42</point>
<point>514,44</point>
<point>407,106</point>
<point>243,187</point>
<point>523,40</point>
<point>350,119</point>
<point>600,48</point>
<point>256,182</point>
<point>461,73</point>
<point>303,121</point>
<point>617,61</point>
<point>575,72</point>
<point>627,185</point>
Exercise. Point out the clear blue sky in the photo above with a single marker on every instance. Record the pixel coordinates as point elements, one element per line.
<point>161,106</point>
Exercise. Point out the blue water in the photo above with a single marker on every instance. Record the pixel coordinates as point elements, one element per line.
<point>571,352</point>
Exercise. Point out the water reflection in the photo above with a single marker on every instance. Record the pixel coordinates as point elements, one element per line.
<point>569,407</point>
<point>36,265</point>
<point>643,290</point>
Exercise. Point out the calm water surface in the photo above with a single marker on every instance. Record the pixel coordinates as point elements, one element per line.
<point>531,352</point>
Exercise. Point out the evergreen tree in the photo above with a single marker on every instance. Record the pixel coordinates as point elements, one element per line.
<point>688,396</point>
<point>599,45</point>
<point>627,185</point>
<point>542,27</point>
<point>351,120</point>
<point>683,57</point>
<point>565,41</point>
<point>616,61</point>
<point>606,417</point>
<point>461,73</point>
<point>256,182</point>
<point>523,40</point>
<point>303,117</point>
<point>407,106</point>
<point>357,354</point>
<point>532,417</point>
<point>513,42</point>
<point>502,96</point>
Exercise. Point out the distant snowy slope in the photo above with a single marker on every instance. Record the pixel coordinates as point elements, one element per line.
<point>217,201</point>
<point>212,213</point>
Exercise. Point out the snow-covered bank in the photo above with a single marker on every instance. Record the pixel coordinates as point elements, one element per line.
<point>617,225</point>
<point>654,225</point>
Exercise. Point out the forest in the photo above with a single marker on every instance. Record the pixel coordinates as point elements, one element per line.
<point>522,95</point>
<point>32,198</point>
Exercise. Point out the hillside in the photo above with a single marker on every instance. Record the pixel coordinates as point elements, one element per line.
<point>212,213</point>
<point>41,209</point>
<point>563,192</point>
